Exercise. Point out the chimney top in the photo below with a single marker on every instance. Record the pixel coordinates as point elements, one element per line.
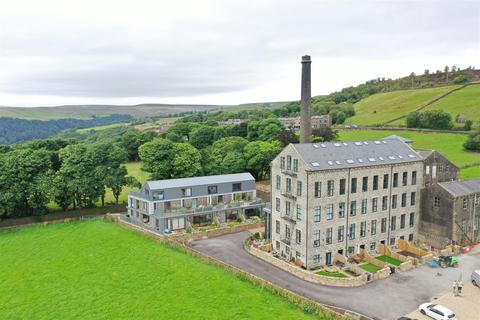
<point>306,58</point>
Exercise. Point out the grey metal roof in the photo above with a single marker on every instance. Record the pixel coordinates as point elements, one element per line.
<point>461,188</point>
<point>353,154</point>
<point>424,153</point>
<point>394,136</point>
<point>198,181</point>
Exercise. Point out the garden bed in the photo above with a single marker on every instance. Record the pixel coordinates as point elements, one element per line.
<point>370,267</point>
<point>332,274</point>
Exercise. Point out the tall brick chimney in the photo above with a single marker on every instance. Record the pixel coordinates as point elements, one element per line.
<point>305,121</point>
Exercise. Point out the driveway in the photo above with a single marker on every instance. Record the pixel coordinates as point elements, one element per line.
<point>386,299</point>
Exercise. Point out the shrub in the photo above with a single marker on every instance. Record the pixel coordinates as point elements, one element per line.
<point>431,119</point>
<point>461,79</point>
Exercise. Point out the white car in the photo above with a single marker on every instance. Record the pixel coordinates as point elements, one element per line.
<point>437,312</point>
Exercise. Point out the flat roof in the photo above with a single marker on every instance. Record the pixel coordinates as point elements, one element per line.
<point>462,187</point>
<point>199,181</point>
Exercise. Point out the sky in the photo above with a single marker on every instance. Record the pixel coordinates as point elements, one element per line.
<point>221,52</point>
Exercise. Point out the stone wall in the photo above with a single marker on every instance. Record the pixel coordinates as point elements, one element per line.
<point>422,255</point>
<point>307,275</point>
<point>407,262</point>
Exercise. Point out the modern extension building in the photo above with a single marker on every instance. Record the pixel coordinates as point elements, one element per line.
<point>330,198</point>
<point>176,204</point>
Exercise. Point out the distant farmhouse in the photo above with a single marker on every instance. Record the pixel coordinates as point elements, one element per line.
<point>231,122</point>
<point>317,122</point>
<point>164,127</point>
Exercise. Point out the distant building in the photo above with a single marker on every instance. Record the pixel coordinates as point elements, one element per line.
<point>177,204</point>
<point>317,122</point>
<point>437,168</point>
<point>230,122</point>
<point>164,127</point>
<point>461,118</point>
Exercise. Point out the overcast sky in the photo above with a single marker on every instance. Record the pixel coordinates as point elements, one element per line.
<point>220,52</point>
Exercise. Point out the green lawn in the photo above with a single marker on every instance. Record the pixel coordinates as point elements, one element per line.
<point>99,270</point>
<point>389,260</point>
<point>448,144</point>
<point>100,128</point>
<point>470,173</point>
<point>465,101</point>
<point>332,274</point>
<point>134,171</point>
<point>382,107</point>
<point>370,267</point>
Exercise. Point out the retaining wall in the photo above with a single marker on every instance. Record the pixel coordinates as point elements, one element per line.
<point>407,262</point>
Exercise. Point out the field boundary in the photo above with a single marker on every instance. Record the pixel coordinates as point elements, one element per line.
<point>305,303</point>
<point>407,130</point>
<point>433,101</point>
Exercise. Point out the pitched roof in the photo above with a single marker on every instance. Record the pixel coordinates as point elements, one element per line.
<point>461,188</point>
<point>199,181</point>
<point>424,153</point>
<point>394,136</point>
<point>353,154</point>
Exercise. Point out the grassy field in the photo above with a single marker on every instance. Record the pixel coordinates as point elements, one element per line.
<point>155,124</point>
<point>389,260</point>
<point>470,173</point>
<point>450,145</point>
<point>465,101</point>
<point>98,270</point>
<point>332,274</point>
<point>382,107</point>
<point>100,128</point>
<point>370,267</point>
<point>134,171</point>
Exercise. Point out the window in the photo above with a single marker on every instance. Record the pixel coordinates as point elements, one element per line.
<point>316,214</point>
<point>277,245</point>
<point>289,185</point>
<point>353,208</point>
<point>342,186</point>
<point>394,201</point>
<point>341,209</point>
<point>414,178</point>
<point>427,169</point>
<point>186,192</point>
<point>330,211</point>
<point>287,232</point>
<point>282,162</point>
<point>328,238</point>
<point>299,188</point>
<point>287,208</point>
<point>364,206</point>
<point>410,237</point>
<point>236,187</point>
<point>373,227</point>
<point>395,180</point>
<point>402,221</point>
<point>372,246</point>
<point>351,233</point>
<point>277,204</point>
<point>330,186</point>
<point>299,212</point>
<point>383,227</point>
<point>384,203</point>
<point>295,165</point>
<point>277,182</point>
<point>375,182</point>
<point>212,189</point>
<point>392,241</point>
<point>363,228</point>
<point>289,162</point>
<point>341,233</point>
<point>316,238</point>
<point>393,223</point>
<point>318,189</point>
<point>354,185</point>
<point>158,195</point>
<point>374,204</point>
<point>365,184</point>
<point>436,202</point>
<point>316,258</point>
<point>404,178</point>
<point>277,226</point>
<point>385,181</point>
<point>465,203</point>
<point>412,219</point>
<point>298,236</point>
<point>413,198</point>
<point>404,200</point>
<point>297,255</point>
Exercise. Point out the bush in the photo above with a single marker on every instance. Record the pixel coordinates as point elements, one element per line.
<point>473,142</point>
<point>432,119</point>
<point>461,79</point>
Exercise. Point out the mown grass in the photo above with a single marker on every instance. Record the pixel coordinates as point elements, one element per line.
<point>98,270</point>
<point>135,171</point>
<point>448,144</point>
<point>382,107</point>
<point>332,274</point>
<point>369,267</point>
<point>100,128</point>
<point>470,173</point>
<point>389,260</point>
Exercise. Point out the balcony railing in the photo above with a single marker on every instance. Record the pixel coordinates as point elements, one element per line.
<point>243,204</point>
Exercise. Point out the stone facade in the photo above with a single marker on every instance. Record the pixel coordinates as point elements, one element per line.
<point>315,241</point>
<point>437,168</point>
<point>316,122</point>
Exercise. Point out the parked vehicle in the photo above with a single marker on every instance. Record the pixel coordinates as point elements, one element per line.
<point>447,261</point>
<point>476,277</point>
<point>437,312</point>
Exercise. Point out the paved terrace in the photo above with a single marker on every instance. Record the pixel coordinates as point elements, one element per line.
<point>385,299</point>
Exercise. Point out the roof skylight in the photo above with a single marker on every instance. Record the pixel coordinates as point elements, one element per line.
<point>372,159</point>
<point>391,157</point>
<point>350,161</point>
<point>330,163</point>
<point>315,164</point>
<point>411,156</point>
<point>360,160</point>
